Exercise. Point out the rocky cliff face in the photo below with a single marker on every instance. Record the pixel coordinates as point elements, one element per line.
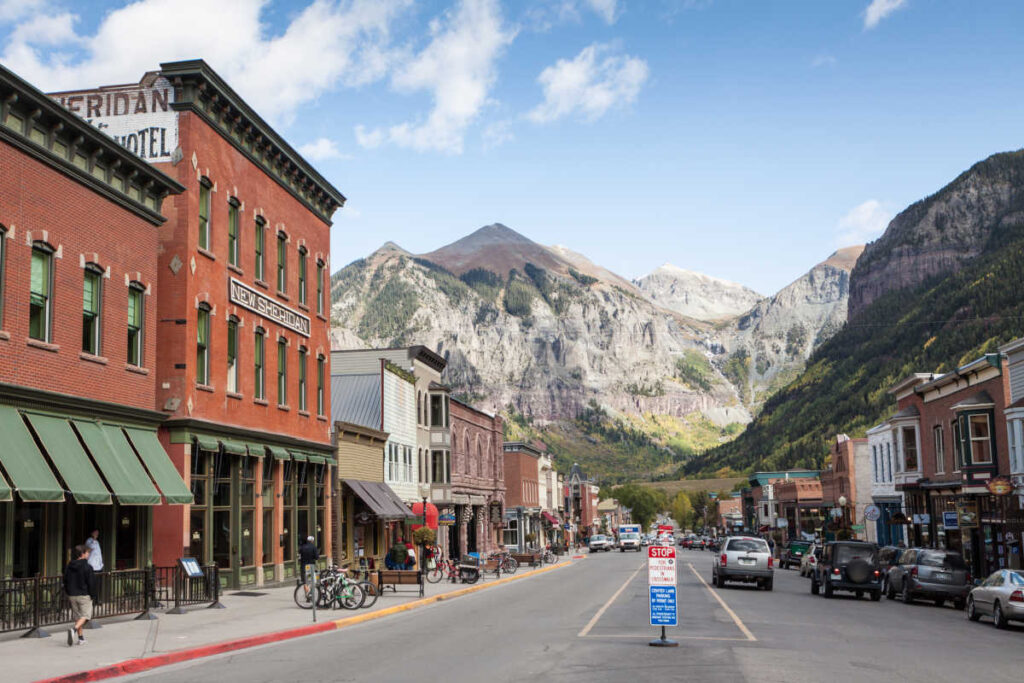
<point>696,295</point>
<point>768,346</point>
<point>937,235</point>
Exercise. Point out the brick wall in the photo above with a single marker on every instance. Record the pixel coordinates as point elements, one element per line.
<point>477,461</point>
<point>204,277</point>
<point>39,203</point>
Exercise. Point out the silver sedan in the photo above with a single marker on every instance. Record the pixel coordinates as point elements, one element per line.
<point>1001,595</point>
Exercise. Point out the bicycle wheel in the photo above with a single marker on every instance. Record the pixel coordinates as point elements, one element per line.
<point>351,596</point>
<point>510,565</point>
<point>304,599</point>
<point>435,574</point>
<point>371,593</point>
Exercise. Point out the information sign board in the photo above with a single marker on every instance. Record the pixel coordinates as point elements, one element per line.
<point>663,606</point>
<point>950,519</point>
<point>661,565</point>
<point>190,566</point>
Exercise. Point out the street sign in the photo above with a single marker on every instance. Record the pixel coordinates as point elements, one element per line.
<point>950,519</point>
<point>661,565</point>
<point>663,606</point>
<point>872,513</point>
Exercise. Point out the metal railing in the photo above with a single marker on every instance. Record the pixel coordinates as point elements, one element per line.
<point>34,603</point>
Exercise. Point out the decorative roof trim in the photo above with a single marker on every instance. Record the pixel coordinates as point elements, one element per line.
<point>198,89</point>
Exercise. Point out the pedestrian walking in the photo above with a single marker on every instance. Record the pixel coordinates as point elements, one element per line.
<point>397,556</point>
<point>307,561</point>
<point>771,545</point>
<point>95,552</point>
<point>80,587</point>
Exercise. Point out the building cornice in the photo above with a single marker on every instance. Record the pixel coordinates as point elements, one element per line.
<point>191,424</point>
<point>198,89</point>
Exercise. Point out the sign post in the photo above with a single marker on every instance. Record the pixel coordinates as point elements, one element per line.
<point>661,579</point>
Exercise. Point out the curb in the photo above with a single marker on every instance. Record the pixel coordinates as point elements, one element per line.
<point>138,665</point>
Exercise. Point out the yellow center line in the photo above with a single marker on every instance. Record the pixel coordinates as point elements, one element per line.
<point>600,612</point>
<point>739,623</point>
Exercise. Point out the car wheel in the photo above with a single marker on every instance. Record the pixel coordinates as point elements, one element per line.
<point>890,590</point>
<point>860,594</point>
<point>958,603</point>
<point>828,589</point>
<point>769,584</point>
<point>972,611</point>
<point>876,596</point>
<point>814,586</point>
<point>907,598</point>
<point>998,618</point>
<point>939,602</point>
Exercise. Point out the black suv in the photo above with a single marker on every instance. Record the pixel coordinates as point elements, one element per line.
<point>848,566</point>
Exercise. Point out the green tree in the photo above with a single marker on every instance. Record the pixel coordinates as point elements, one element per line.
<point>644,503</point>
<point>681,510</point>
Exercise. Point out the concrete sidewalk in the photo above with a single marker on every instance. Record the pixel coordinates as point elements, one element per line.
<point>204,631</point>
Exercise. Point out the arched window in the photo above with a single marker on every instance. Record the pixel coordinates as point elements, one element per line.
<point>302,274</point>
<point>233,210</point>
<point>205,188</point>
<point>232,385</point>
<point>203,344</point>
<point>282,262</point>
<point>259,364</point>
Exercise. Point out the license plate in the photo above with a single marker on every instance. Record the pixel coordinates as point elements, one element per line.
<point>943,577</point>
<point>746,561</point>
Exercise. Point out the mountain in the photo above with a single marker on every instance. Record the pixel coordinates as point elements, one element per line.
<point>941,287</point>
<point>937,235</point>
<point>579,355</point>
<point>768,345</point>
<point>696,295</point>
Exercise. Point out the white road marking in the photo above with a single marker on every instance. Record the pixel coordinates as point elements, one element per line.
<point>600,612</point>
<point>675,636</point>
<point>739,623</point>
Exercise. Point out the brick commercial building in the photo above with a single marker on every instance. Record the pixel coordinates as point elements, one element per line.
<point>849,462</point>
<point>522,495</point>
<point>478,479</point>
<point>80,226</point>
<point>241,325</point>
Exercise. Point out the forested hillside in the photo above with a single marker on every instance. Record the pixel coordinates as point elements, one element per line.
<point>934,327</point>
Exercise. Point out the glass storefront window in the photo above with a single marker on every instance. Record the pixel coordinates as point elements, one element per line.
<point>128,523</point>
<point>288,503</point>
<point>267,497</point>
<point>200,478</point>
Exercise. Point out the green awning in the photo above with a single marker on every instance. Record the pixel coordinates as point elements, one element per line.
<point>318,459</point>
<point>119,464</point>
<point>208,443</point>
<point>279,453</point>
<point>233,447</point>
<point>5,491</point>
<point>298,455</point>
<point>160,467</point>
<point>25,465</point>
<point>257,450</point>
<point>68,456</point>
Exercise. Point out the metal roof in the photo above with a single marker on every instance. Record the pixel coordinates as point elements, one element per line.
<point>356,399</point>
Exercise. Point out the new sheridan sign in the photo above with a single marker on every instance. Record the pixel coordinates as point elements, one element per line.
<point>247,297</point>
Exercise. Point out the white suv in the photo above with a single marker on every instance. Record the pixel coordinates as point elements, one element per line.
<point>599,542</point>
<point>629,541</point>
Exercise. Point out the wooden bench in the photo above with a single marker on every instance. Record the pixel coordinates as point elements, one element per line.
<point>392,578</point>
<point>491,567</point>
<point>531,559</point>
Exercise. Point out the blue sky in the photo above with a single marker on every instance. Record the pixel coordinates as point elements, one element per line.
<point>744,139</point>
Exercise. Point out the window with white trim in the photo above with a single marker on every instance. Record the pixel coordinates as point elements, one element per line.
<point>205,187</point>
<point>232,355</point>
<point>233,210</point>
<point>940,449</point>
<point>136,323</point>
<point>908,439</point>
<point>203,345</point>
<point>92,307</point>
<point>981,439</point>
<point>259,390</point>
<point>958,445</point>
<point>40,311</point>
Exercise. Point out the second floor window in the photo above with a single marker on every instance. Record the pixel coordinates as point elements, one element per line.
<point>203,345</point>
<point>302,378</point>
<point>259,386</point>
<point>135,319</point>
<point>319,287</point>
<point>204,213</point>
<point>282,372</point>
<point>233,208</point>
<point>39,304</point>
<point>282,247</point>
<point>302,275</point>
<point>940,449</point>
<point>232,355</point>
<point>320,370</point>
<point>909,435</point>
<point>3,252</point>
<point>92,297</point>
<point>258,239</point>
<point>981,439</point>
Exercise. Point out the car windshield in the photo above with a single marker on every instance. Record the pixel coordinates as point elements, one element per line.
<point>599,537</point>
<point>748,545</point>
<point>848,553</point>
<point>1016,578</point>
<point>630,537</point>
<point>933,558</point>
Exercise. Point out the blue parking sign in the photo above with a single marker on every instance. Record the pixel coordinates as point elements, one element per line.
<point>663,606</point>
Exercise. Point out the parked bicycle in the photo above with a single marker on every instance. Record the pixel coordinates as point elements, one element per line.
<point>333,588</point>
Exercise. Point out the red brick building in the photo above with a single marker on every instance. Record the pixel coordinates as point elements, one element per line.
<point>242,339</point>
<point>80,222</point>
<point>478,478</point>
<point>839,481</point>
<point>522,494</point>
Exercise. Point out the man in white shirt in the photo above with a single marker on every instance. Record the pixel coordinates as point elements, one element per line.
<point>95,554</point>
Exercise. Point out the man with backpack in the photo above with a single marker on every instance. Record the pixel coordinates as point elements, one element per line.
<point>80,588</point>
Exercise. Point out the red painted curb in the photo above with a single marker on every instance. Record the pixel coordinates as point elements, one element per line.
<point>131,666</point>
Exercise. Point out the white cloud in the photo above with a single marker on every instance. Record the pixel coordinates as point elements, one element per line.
<point>497,134</point>
<point>880,9</point>
<point>321,149</point>
<point>823,60</point>
<point>458,68</point>
<point>46,29</point>
<point>326,44</point>
<point>589,84</point>
<point>862,223</point>
<point>11,10</point>
<point>606,9</point>
<point>544,15</point>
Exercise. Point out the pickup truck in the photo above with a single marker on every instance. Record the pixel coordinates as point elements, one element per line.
<point>629,541</point>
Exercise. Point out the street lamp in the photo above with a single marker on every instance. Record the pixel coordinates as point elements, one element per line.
<point>842,510</point>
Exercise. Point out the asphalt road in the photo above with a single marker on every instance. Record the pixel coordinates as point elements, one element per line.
<point>565,625</point>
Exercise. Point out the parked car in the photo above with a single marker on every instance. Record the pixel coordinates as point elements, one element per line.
<point>645,541</point>
<point>1001,595</point>
<point>938,575</point>
<point>746,559</point>
<point>810,560</point>
<point>712,544</point>
<point>629,541</point>
<point>793,552</point>
<point>599,542</point>
<point>697,543</point>
<point>888,557</point>
<point>848,566</point>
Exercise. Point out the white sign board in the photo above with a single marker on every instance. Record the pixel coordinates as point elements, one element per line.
<point>139,118</point>
<point>257,302</point>
<point>661,565</point>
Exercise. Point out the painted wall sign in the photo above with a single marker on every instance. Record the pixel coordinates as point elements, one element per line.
<point>1000,486</point>
<point>257,302</point>
<point>138,117</point>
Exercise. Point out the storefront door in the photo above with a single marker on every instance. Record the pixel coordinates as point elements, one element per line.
<point>28,550</point>
<point>471,528</point>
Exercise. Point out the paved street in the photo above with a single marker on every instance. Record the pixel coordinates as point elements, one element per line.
<point>564,625</point>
